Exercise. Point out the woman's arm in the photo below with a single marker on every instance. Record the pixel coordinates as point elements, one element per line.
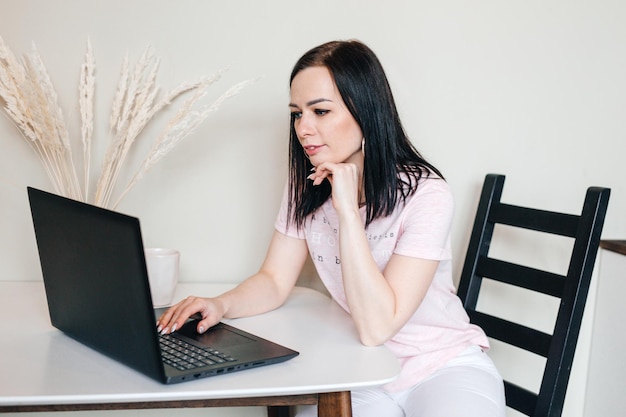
<point>261,292</point>
<point>380,303</point>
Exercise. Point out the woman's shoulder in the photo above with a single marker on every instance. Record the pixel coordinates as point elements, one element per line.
<point>431,190</point>
<point>434,182</point>
<point>428,181</point>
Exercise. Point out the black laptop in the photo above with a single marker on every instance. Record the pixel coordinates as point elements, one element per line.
<point>96,281</point>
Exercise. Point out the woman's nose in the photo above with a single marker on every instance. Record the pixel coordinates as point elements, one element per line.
<point>304,126</point>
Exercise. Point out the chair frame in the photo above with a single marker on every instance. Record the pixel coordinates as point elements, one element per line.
<point>572,289</point>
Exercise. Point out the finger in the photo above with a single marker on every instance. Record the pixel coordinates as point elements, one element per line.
<point>205,324</point>
<point>175,317</point>
<point>319,176</point>
<point>166,317</point>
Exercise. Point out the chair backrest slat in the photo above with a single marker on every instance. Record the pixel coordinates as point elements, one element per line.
<point>561,224</point>
<point>514,334</point>
<point>521,276</point>
<point>558,348</point>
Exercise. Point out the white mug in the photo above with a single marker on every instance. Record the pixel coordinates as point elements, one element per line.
<point>162,265</point>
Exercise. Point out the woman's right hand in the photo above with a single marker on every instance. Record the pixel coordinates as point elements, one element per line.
<point>262,292</point>
<point>211,311</point>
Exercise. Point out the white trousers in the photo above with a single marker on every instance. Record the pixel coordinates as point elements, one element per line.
<point>468,386</point>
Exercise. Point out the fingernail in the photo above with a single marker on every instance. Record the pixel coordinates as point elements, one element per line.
<point>201,329</point>
<point>164,331</point>
<point>174,327</point>
<point>160,329</point>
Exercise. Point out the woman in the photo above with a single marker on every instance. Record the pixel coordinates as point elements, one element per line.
<point>375,218</point>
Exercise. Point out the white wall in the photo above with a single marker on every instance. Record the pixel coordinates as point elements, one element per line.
<point>535,90</point>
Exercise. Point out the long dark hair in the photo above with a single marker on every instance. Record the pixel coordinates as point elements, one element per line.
<point>363,86</point>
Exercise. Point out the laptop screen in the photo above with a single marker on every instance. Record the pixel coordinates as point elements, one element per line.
<point>94,272</point>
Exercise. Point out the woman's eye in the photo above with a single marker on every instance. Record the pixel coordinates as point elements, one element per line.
<point>321,112</point>
<point>296,114</point>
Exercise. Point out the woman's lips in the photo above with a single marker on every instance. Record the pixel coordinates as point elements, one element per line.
<point>312,149</point>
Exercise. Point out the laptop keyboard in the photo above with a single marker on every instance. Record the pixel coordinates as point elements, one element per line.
<point>183,356</point>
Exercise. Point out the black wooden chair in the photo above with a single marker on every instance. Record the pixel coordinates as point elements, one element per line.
<point>571,289</point>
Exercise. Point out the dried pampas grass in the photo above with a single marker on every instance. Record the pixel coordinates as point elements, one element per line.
<point>31,103</point>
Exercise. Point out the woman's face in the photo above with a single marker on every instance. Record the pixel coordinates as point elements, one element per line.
<point>324,125</point>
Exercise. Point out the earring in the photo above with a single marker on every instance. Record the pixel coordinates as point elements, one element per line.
<point>363,146</point>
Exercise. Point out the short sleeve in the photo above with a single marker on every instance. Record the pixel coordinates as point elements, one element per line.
<point>283,223</point>
<point>427,220</point>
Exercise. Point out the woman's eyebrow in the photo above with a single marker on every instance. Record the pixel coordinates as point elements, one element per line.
<point>311,103</point>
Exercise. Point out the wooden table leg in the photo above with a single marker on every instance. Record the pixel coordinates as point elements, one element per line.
<point>334,404</point>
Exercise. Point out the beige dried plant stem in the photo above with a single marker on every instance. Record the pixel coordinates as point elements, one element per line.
<point>133,108</point>
<point>86,91</point>
<point>184,122</point>
<point>133,92</point>
<point>50,126</point>
<point>31,103</point>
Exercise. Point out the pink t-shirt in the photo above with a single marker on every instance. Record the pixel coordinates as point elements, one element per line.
<point>439,329</point>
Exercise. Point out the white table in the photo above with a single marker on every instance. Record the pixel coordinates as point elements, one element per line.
<point>41,369</point>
